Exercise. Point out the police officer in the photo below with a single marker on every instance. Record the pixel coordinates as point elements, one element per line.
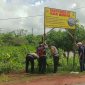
<point>30,59</point>
<point>54,53</point>
<point>84,54</point>
<point>41,51</point>
<point>81,55</point>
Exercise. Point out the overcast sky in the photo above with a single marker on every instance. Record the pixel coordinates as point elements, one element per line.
<point>25,8</point>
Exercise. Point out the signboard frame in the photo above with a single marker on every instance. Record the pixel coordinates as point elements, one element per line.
<point>73,23</point>
<point>57,18</point>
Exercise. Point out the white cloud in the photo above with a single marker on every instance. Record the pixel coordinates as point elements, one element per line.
<point>73,6</point>
<point>38,3</point>
<point>24,8</point>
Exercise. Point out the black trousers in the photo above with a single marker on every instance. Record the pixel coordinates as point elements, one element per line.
<point>42,64</point>
<point>82,68</point>
<point>56,62</point>
<point>29,59</point>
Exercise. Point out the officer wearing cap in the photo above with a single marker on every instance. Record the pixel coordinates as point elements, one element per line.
<point>81,55</point>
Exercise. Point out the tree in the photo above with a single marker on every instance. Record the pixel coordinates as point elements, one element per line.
<point>80,33</point>
<point>61,39</point>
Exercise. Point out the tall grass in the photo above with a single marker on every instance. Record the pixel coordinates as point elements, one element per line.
<point>12,58</point>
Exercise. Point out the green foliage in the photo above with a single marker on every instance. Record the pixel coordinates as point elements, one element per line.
<point>60,40</point>
<point>13,58</point>
<point>65,39</point>
<point>14,47</point>
<point>34,39</point>
<point>17,41</point>
<point>63,66</point>
<point>80,33</point>
<point>11,39</point>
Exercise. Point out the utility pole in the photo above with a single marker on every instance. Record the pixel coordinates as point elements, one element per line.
<point>0,30</point>
<point>32,31</point>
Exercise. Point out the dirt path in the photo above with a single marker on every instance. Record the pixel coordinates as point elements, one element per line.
<point>54,79</point>
<point>59,80</point>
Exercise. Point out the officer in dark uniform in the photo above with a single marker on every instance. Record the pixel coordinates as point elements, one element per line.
<point>30,59</point>
<point>55,55</point>
<point>84,54</point>
<point>81,55</point>
<point>41,51</point>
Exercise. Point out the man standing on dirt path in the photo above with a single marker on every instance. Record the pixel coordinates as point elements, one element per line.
<point>30,59</point>
<point>81,55</point>
<point>41,51</point>
<point>84,54</point>
<point>55,55</point>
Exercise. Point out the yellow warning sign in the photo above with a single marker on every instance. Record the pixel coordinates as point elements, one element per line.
<point>57,18</point>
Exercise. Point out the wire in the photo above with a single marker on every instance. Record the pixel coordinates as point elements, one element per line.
<point>20,17</point>
<point>34,16</point>
<point>78,8</point>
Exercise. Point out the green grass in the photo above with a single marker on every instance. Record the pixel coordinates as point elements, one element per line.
<point>12,59</point>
